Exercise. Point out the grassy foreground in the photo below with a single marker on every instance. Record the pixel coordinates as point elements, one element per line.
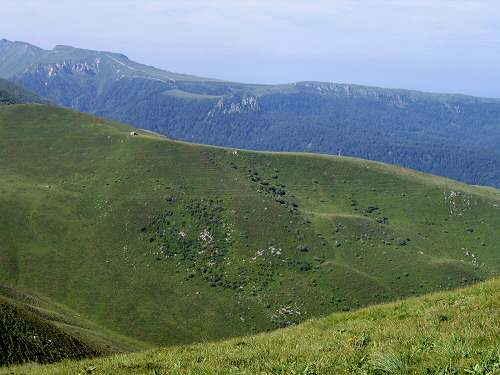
<point>454,332</point>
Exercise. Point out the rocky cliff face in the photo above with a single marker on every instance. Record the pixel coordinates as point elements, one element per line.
<point>47,71</point>
<point>235,105</point>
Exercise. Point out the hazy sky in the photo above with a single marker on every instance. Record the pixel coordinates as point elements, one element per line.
<point>435,45</point>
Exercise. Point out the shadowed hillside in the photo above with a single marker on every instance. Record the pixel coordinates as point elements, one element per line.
<point>35,329</point>
<point>25,338</point>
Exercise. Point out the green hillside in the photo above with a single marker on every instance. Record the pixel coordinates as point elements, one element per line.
<point>448,333</point>
<point>169,243</point>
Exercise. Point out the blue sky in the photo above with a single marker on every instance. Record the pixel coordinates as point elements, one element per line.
<point>433,45</point>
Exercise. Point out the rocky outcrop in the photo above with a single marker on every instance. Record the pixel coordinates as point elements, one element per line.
<point>235,105</point>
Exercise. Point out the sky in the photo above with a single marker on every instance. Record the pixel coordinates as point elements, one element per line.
<point>431,45</point>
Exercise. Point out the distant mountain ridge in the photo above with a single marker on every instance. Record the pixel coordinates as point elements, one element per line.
<point>456,136</point>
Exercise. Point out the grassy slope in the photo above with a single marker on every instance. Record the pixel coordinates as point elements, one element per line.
<point>447,333</point>
<point>110,225</point>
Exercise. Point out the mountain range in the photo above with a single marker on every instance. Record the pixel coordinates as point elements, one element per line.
<point>456,136</point>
